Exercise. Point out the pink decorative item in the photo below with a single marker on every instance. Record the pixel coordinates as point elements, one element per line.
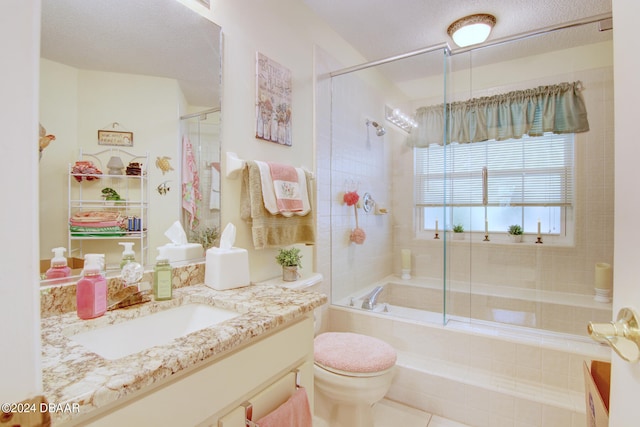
<point>357,235</point>
<point>347,351</point>
<point>351,198</point>
<point>85,169</point>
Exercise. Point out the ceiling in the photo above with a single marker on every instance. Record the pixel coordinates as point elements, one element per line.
<point>380,29</point>
<point>127,36</point>
<point>170,40</point>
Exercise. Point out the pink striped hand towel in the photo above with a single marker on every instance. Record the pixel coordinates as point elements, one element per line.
<point>286,186</point>
<point>295,412</point>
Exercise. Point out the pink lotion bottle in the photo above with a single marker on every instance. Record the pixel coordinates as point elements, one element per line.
<point>59,267</point>
<point>91,293</point>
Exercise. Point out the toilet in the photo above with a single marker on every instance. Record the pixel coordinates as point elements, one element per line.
<point>351,373</point>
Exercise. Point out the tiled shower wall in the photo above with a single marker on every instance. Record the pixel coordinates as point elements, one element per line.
<point>349,150</point>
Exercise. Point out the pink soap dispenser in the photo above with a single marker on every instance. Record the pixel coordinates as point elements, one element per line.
<point>59,267</point>
<point>91,292</point>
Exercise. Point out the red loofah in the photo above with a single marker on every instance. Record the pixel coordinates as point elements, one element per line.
<point>351,198</point>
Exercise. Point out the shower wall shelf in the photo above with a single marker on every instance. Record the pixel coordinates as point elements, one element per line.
<point>86,198</point>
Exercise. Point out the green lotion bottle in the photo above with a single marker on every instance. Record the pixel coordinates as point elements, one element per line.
<point>162,275</point>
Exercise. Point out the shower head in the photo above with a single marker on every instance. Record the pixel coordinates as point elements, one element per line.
<point>379,129</point>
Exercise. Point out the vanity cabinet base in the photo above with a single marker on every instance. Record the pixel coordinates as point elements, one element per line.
<point>205,393</point>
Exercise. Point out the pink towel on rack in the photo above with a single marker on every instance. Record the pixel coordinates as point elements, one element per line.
<point>190,183</point>
<point>286,186</point>
<point>295,412</point>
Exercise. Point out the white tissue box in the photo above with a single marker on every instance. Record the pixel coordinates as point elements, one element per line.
<point>226,268</point>
<point>184,252</point>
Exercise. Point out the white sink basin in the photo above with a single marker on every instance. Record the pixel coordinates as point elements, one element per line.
<point>132,336</point>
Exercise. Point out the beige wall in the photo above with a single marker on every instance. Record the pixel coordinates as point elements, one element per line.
<point>287,32</point>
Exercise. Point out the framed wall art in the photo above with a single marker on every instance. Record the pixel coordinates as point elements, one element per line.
<point>114,137</point>
<point>273,101</point>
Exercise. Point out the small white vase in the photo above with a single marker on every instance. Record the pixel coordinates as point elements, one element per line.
<point>515,238</point>
<point>290,274</point>
<point>458,236</point>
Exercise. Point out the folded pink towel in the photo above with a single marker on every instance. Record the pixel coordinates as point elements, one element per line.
<point>295,412</point>
<point>96,223</point>
<point>286,186</point>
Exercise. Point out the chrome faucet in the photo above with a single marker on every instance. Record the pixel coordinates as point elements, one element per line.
<point>128,296</point>
<point>369,301</point>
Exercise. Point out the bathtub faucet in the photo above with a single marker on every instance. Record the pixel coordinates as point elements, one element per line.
<point>369,301</point>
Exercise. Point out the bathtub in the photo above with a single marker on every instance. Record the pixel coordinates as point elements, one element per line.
<point>503,369</point>
<point>423,299</point>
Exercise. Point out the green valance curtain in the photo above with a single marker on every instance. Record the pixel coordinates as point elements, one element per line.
<point>557,108</point>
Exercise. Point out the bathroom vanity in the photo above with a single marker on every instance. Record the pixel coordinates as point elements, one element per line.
<point>194,379</point>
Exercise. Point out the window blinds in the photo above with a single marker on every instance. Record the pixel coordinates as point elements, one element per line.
<point>530,171</point>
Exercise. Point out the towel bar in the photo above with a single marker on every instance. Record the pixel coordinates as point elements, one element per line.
<point>248,415</point>
<point>248,406</point>
<point>234,165</point>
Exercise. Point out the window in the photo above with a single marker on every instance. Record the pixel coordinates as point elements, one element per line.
<point>515,181</point>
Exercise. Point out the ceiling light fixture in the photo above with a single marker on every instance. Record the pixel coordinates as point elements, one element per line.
<point>472,29</point>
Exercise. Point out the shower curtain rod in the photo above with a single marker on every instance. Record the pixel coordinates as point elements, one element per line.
<point>209,111</point>
<point>446,47</point>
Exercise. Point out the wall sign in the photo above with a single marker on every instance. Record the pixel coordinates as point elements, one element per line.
<point>273,101</point>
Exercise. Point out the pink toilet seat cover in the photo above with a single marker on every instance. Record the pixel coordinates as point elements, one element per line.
<point>351,352</point>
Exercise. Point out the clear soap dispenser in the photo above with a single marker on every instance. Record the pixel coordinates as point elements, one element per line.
<point>128,255</point>
<point>59,267</point>
<point>162,272</point>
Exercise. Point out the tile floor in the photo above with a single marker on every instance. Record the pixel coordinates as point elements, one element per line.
<point>390,414</point>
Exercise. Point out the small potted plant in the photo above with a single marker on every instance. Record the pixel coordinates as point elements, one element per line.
<point>458,232</point>
<point>289,259</point>
<point>515,233</point>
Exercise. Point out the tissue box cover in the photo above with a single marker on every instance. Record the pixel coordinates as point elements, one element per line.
<point>184,252</point>
<point>226,268</point>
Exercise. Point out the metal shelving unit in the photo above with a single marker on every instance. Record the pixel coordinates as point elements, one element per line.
<point>86,199</point>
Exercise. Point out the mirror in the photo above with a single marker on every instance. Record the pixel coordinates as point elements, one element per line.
<point>148,71</point>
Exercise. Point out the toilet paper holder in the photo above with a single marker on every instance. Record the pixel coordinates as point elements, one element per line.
<point>623,335</point>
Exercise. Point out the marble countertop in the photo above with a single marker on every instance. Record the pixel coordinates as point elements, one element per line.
<point>74,376</point>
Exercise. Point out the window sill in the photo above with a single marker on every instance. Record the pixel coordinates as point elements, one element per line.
<point>497,239</point>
